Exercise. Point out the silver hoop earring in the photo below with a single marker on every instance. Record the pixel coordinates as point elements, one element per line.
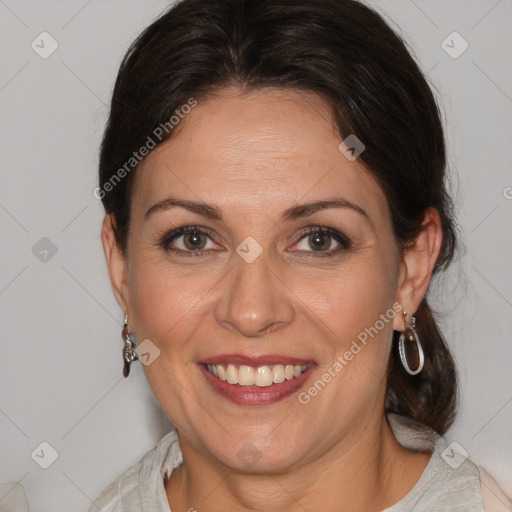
<point>409,336</point>
<point>129,354</point>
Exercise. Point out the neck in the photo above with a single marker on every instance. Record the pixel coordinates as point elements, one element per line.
<point>367,470</point>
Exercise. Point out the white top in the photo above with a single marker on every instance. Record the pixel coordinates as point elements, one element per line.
<point>450,481</point>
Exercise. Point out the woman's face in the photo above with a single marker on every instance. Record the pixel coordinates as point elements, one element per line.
<point>255,287</point>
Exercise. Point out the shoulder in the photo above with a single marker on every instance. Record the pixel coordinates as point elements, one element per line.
<point>451,481</point>
<point>495,500</point>
<point>120,493</point>
<point>13,497</point>
<point>141,486</point>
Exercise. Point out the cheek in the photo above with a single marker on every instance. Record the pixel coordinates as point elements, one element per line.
<point>353,372</point>
<point>350,299</point>
<point>165,307</point>
<point>161,296</point>
<point>354,310</point>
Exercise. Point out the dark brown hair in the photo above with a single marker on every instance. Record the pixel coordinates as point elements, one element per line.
<point>345,53</point>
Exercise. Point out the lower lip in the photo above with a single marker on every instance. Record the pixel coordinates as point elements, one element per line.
<point>255,395</point>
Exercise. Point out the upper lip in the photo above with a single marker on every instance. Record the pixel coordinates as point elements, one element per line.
<point>256,361</point>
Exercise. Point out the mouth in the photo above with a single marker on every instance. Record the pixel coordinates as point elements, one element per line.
<point>256,381</point>
<point>261,376</point>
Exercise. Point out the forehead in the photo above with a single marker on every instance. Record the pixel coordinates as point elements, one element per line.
<point>266,149</point>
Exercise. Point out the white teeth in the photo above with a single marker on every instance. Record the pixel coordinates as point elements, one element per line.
<point>263,376</point>
<point>246,375</point>
<point>232,374</point>
<point>278,374</point>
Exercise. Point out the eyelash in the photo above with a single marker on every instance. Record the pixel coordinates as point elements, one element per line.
<point>167,238</point>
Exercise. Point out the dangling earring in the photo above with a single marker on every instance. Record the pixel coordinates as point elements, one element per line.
<point>129,354</point>
<point>409,335</point>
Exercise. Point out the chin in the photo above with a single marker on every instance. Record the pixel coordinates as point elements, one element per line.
<point>252,455</point>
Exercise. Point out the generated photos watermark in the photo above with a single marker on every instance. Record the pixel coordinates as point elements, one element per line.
<point>343,359</point>
<point>159,134</point>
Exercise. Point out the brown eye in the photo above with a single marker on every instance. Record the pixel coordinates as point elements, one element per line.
<point>194,241</point>
<point>188,241</point>
<point>321,240</point>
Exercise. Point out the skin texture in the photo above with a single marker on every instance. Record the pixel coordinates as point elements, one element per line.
<point>253,156</point>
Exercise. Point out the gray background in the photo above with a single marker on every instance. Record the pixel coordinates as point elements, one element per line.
<point>60,363</point>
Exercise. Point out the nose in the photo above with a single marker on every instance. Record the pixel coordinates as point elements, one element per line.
<point>254,300</point>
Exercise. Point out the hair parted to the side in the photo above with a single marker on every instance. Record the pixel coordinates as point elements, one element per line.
<point>344,52</point>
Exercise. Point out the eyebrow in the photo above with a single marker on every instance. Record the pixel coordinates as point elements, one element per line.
<point>293,213</point>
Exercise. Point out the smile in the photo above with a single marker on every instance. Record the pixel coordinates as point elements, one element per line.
<point>261,376</point>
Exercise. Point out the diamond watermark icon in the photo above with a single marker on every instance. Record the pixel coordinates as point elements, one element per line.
<point>249,250</point>
<point>44,250</point>
<point>45,455</point>
<point>352,147</point>
<point>44,45</point>
<point>147,352</point>
<point>454,455</point>
<point>249,454</point>
<point>454,45</point>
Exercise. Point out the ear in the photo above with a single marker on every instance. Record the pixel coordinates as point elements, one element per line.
<point>116,263</point>
<point>417,265</point>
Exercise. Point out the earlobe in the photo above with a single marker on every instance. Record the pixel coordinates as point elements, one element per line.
<point>417,265</point>
<point>115,262</point>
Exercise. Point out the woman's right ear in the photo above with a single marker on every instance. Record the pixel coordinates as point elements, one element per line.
<point>115,262</point>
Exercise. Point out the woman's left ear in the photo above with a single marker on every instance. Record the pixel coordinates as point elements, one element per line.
<point>115,262</point>
<point>417,265</point>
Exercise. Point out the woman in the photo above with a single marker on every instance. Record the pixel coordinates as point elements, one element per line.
<point>273,179</point>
